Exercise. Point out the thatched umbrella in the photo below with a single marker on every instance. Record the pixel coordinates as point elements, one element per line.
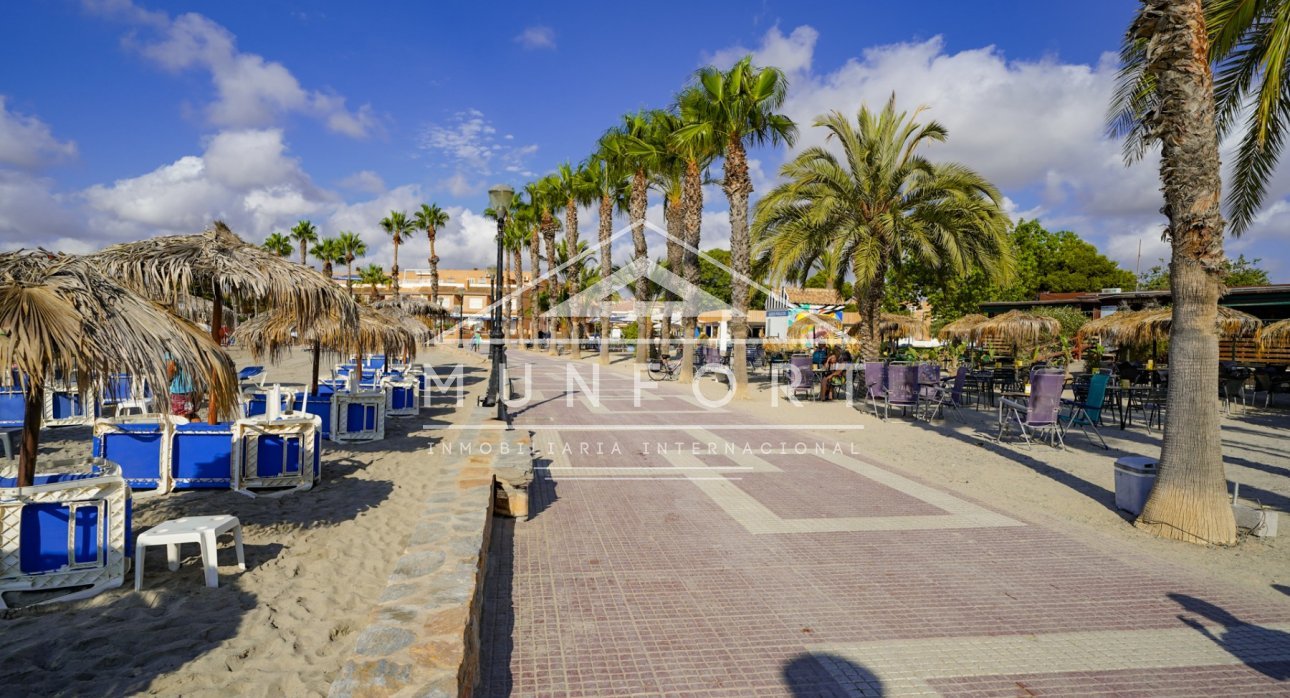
<point>962,327</point>
<point>808,325</point>
<point>218,261</point>
<point>61,317</point>
<point>1143,327</point>
<point>1276,333</point>
<point>411,305</point>
<point>271,334</point>
<point>1018,328</point>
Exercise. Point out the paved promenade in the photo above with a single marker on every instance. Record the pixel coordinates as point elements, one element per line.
<point>675,549</point>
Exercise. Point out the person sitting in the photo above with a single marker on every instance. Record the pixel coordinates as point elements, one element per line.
<point>826,385</point>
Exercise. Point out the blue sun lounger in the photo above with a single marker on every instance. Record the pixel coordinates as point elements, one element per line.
<point>66,531</point>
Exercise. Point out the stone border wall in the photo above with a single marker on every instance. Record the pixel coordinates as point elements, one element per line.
<point>423,637</point>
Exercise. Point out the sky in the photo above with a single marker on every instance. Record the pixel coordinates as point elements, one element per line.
<point>123,119</point>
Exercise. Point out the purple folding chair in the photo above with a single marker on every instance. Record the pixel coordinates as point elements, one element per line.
<point>1039,414</point>
<point>902,389</point>
<point>875,383</point>
<point>950,397</point>
<point>800,375</point>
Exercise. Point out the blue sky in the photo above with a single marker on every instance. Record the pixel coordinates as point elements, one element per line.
<point>122,119</point>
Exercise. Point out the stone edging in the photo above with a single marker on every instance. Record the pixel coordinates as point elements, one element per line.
<point>423,637</point>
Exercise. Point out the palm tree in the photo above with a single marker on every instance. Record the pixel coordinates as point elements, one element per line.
<point>351,247</point>
<point>1168,49</point>
<point>304,233</point>
<point>546,193</point>
<point>669,170</point>
<point>374,276</point>
<point>731,109</point>
<point>576,190</point>
<point>397,225</point>
<point>610,185</point>
<point>514,239</point>
<point>877,205</point>
<point>631,150</point>
<point>327,251</point>
<point>696,153</point>
<point>278,244</point>
<point>524,218</point>
<point>430,219</point>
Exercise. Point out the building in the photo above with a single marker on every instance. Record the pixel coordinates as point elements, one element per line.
<point>464,293</point>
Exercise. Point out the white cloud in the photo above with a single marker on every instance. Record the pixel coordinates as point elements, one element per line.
<point>251,91</point>
<point>467,147</point>
<point>27,142</point>
<point>244,177</point>
<point>536,37</point>
<point>791,54</point>
<point>365,181</point>
<point>31,214</point>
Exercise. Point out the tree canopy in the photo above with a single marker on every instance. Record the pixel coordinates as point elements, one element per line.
<point>1238,272</point>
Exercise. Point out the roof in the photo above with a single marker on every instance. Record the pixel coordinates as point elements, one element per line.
<point>1273,300</point>
<point>812,296</point>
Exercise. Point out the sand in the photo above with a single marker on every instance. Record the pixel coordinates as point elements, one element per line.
<point>316,563</point>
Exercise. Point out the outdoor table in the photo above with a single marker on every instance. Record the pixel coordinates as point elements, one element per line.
<point>1124,397</point>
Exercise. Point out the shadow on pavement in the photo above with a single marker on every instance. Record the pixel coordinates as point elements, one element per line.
<point>820,675</point>
<point>1252,644</point>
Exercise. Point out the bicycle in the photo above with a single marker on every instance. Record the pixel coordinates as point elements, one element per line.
<point>660,369</point>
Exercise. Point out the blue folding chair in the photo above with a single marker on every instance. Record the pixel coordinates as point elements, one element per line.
<point>1086,413</point>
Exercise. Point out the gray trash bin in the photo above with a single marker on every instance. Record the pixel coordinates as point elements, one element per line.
<point>1134,478</point>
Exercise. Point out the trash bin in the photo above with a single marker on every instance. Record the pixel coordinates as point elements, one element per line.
<point>1134,478</point>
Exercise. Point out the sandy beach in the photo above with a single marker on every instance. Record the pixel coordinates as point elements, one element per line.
<point>316,563</point>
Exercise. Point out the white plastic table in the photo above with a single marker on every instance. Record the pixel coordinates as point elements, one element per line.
<point>202,530</point>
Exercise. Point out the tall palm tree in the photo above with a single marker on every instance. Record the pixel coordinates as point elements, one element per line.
<point>733,109</point>
<point>668,173</point>
<point>373,275</point>
<point>696,153</point>
<point>278,244</point>
<point>576,190</point>
<point>633,151</point>
<point>398,226</point>
<point>1168,46</point>
<point>548,199</point>
<point>430,219</point>
<point>351,247</point>
<point>877,204</point>
<point>304,233</point>
<point>610,185</point>
<point>327,251</point>
<point>514,239</point>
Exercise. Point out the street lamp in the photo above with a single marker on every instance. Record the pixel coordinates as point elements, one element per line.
<point>499,199</point>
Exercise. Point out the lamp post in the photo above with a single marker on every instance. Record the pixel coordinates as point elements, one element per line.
<point>499,199</point>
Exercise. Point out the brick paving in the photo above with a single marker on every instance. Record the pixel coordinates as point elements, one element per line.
<point>652,566</point>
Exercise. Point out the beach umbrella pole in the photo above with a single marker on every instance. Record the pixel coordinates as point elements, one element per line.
<point>217,322</point>
<point>35,405</point>
<point>313,383</point>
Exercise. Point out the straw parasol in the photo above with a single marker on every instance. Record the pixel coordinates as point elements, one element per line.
<point>1017,328</point>
<point>272,334</point>
<point>1143,327</point>
<point>218,261</point>
<point>412,305</point>
<point>809,325</point>
<point>962,327</point>
<point>1276,333</point>
<point>896,325</point>
<point>61,317</point>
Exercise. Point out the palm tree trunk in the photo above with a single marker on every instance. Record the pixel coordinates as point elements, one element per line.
<point>548,234</point>
<point>1189,501</point>
<point>636,206</point>
<point>34,407</point>
<point>691,218</point>
<point>349,275</point>
<point>571,274</point>
<point>672,216</point>
<point>515,284</point>
<point>869,303</point>
<point>606,268</point>
<point>535,263</point>
<point>434,269</point>
<point>394,270</point>
<point>304,260</point>
<point>738,187</point>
